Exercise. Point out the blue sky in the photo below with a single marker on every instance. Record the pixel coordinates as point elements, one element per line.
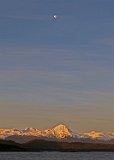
<point>57,71</point>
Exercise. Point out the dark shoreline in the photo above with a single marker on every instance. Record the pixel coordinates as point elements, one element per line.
<point>52,146</point>
<point>56,151</point>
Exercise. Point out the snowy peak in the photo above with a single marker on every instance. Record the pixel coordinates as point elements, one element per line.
<point>100,135</point>
<point>61,127</point>
<point>94,134</point>
<point>31,131</point>
<point>62,131</point>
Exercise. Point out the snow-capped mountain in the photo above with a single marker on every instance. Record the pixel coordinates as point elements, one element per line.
<point>99,136</point>
<point>58,133</point>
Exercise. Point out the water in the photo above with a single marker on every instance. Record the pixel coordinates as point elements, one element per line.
<point>57,156</point>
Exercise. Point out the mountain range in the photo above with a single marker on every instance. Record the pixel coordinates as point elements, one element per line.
<point>60,133</point>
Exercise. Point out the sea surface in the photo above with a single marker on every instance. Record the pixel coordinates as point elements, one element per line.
<point>56,156</point>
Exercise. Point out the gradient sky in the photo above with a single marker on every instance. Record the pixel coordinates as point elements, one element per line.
<point>57,71</point>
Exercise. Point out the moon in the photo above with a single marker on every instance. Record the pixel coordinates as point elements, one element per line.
<point>55,17</point>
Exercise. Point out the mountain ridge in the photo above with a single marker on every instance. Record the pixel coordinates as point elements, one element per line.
<point>58,133</point>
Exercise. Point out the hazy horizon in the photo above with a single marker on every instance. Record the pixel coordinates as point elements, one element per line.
<point>57,70</point>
